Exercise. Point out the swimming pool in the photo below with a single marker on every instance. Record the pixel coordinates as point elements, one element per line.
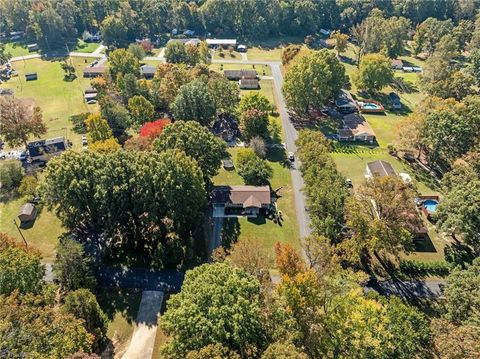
<point>430,205</point>
<point>370,105</point>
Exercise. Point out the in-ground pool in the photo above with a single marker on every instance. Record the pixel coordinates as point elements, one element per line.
<point>430,205</point>
<point>371,105</point>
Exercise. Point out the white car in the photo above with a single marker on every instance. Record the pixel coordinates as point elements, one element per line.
<point>91,102</point>
<point>291,156</point>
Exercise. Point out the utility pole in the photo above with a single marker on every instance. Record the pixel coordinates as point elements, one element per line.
<point>21,234</point>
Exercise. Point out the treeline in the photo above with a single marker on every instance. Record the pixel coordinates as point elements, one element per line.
<point>52,22</point>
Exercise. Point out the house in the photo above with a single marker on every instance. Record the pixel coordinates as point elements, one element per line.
<point>94,71</point>
<point>395,100</point>
<point>27,213</point>
<point>240,74</point>
<point>226,127</point>
<point>90,94</point>
<point>31,76</point>
<point>379,169</point>
<point>148,71</point>
<point>43,150</point>
<point>397,64</point>
<point>250,84</point>
<point>186,41</point>
<point>222,42</point>
<point>355,128</point>
<point>345,102</point>
<point>32,47</point>
<point>233,201</point>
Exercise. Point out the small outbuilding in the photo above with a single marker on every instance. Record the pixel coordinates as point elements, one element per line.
<point>27,213</point>
<point>242,48</point>
<point>379,169</point>
<point>345,102</point>
<point>248,84</point>
<point>148,71</point>
<point>222,42</point>
<point>31,76</point>
<point>90,94</point>
<point>32,47</point>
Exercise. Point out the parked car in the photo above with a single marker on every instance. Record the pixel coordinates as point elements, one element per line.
<point>91,102</point>
<point>395,100</point>
<point>23,156</point>
<point>291,156</point>
<point>84,141</point>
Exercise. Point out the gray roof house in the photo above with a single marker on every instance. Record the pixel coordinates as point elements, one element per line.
<point>379,169</point>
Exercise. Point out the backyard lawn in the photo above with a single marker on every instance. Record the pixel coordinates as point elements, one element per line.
<point>266,232</point>
<point>17,48</point>
<point>86,47</point>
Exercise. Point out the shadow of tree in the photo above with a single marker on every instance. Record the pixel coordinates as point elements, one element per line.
<point>118,300</point>
<point>230,232</point>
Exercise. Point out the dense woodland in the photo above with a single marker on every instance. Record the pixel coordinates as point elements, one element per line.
<point>53,22</point>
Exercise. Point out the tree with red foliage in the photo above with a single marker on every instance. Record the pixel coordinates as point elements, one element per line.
<point>155,128</point>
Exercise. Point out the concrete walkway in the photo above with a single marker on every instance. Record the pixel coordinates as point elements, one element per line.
<point>26,57</point>
<point>143,338</point>
<point>98,50</point>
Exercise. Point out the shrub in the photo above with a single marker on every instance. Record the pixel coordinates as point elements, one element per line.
<point>423,269</point>
<point>28,186</point>
<point>11,174</point>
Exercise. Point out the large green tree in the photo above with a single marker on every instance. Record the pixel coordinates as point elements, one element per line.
<point>197,142</point>
<point>123,62</point>
<point>313,80</point>
<point>194,102</point>
<point>254,123</point>
<point>20,269</point>
<point>253,169</point>
<point>217,304</point>
<point>141,110</point>
<point>374,73</point>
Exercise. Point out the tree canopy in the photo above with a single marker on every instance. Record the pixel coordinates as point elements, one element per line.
<point>194,102</point>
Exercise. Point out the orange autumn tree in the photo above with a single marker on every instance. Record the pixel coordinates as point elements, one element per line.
<point>287,260</point>
<point>153,129</point>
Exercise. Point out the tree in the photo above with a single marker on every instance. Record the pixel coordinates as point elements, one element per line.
<point>20,269</point>
<point>19,121</point>
<point>175,53</point>
<point>451,341</point>
<point>254,170</point>
<point>137,51</point>
<point>154,129</point>
<point>33,327</point>
<point>289,53</point>
<point>254,123</point>
<point>251,257</point>
<point>409,134</point>
<point>128,86</point>
<point>213,351</point>
<point>428,33</point>
<point>69,70</point>
<point>167,82</point>
<point>382,217</point>
<point>78,122</point>
<point>254,101</point>
<point>341,41</point>
<point>312,80</point>
<point>141,110</point>
<point>72,268</point>
<point>462,295</point>
<point>123,62</point>
<point>105,146</point>
<point>82,304</point>
<point>116,115</point>
<point>283,351</point>
<point>287,260</point>
<point>225,94</point>
<point>28,186</point>
<point>257,144</point>
<point>374,73</point>
<point>197,142</point>
<point>4,55</point>
<point>97,128</point>
<point>475,65</point>
<point>194,102</point>
<point>11,174</point>
<point>232,320</point>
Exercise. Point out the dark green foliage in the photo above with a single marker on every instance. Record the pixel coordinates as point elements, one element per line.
<point>194,102</point>
<point>254,123</point>
<point>72,267</point>
<point>217,304</point>
<point>78,122</point>
<point>82,304</point>
<point>413,268</point>
<point>11,174</point>
<point>254,170</point>
<point>197,142</point>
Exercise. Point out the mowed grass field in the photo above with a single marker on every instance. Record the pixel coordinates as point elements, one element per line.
<point>58,99</point>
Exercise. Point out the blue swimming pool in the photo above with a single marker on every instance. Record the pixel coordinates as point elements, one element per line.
<point>371,105</point>
<point>430,205</point>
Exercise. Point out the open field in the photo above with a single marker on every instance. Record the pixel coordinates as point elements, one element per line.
<point>264,231</point>
<point>86,47</point>
<point>17,48</point>
<point>264,54</point>
<point>57,98</point>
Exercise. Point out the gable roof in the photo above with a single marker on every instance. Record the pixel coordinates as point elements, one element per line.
<point>381,169</point>
<point>247,196</point>
<point>357,125</point>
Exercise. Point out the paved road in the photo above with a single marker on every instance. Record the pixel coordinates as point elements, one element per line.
<point>216,239</point>
<point>143,338</point>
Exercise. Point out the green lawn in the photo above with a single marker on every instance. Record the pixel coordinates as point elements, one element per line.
<point>234,55</point>
<point>57,98</point>
<point>17,48</point>
<point>264,54</point>
<point>44,233</point>
<point>86,47</point>
<point>264,231</point>
<point>121,307</point>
